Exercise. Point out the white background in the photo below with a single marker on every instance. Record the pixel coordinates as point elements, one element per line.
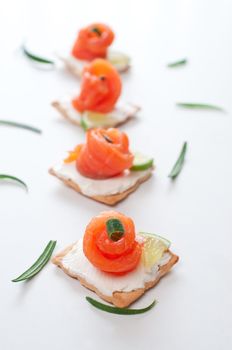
<point>194,212</point>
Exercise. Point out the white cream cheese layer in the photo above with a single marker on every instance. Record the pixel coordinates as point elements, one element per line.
<point>120,114</point>
<point>78,265</point>
<point>91,187</point>
<point>75,65</point>
<point>119,60</point>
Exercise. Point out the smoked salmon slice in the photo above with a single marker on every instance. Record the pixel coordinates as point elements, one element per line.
<point>104,155</point>
<point>113,256</point>
<point>100,88</point>
<point>92,42</point>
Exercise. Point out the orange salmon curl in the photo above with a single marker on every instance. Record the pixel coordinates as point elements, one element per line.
<point>100,88</point>
<point>105,154</point>
<point>111,252</point>
<point>92,42</point>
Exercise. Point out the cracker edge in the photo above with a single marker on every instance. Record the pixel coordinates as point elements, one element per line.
<point>110,200</point>
<point>77,72</point>
<point>59,107</point>
<point>119,299</point>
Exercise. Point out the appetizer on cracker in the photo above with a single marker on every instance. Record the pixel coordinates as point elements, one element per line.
<point>93,42</point>
<point>114,261</point>
<point>97,103</point>
<point>103,168</point>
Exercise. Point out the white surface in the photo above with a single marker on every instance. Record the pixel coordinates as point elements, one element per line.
<point>50,311</point>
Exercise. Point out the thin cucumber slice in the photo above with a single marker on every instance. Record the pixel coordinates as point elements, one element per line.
<point>119,60</point>
<point>141,162</point>
<point>91,120</point>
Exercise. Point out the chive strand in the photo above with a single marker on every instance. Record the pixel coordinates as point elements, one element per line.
<point>177,63</point>
<point>118,310</point>
<point>36,58</point>
<point>200,106</point>
<point>39,264</point>
<point>179,163</point>
<point>13,178</point>
<point>20,125</point>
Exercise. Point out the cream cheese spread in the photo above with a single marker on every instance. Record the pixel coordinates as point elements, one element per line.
<point>119,60</point>
<point>92,187</point>
<point>78,265</point>
<point>120,114</point>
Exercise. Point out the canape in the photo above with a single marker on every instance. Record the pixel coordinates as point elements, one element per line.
<point>93,42</point>
<point>114,261</point>
<point>97,103</point>
<point>103,168</point>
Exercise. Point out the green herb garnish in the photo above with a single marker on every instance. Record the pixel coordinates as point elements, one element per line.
<point>13,178</point>
<point>96,30</point>
<point>39,264</point>
<point>36,58</point>
<point>118,310</point>
<point>83,124</point>
<point>107,138</point>
<point>21,126</point>
<point>115,229</point>
<point>177,63</point>
<point>199,106</point>
<point>179,163</point>
<point>102,77</point>
<point>141,162</point>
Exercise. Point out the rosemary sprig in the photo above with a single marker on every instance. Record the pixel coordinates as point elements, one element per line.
<point>20,125</point>
<point>39,264</point>
<point>118,310</point>
<point>200,106</point>
<point>35,58</point>
<point>13,178</point>
<point>177,63</point>
<point>179,163</point>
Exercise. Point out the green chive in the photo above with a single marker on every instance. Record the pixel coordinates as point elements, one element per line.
<point>36,58</point>
<point>39,264</point>
<point>179,163</point>
<point>96,30</point>
<point>20,125</point>
<point>115,229</point>
<point>199,106</point>
<point>84,124</point>
<point>16,179</point>
<point>107,138</point>
<point>177,63</point>
<point>118,310</point>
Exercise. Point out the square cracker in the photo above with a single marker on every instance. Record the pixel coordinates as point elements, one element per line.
<point>75,66</point>
<point>108,199</point>
<point>127,112</point>
<point>118,298</point>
